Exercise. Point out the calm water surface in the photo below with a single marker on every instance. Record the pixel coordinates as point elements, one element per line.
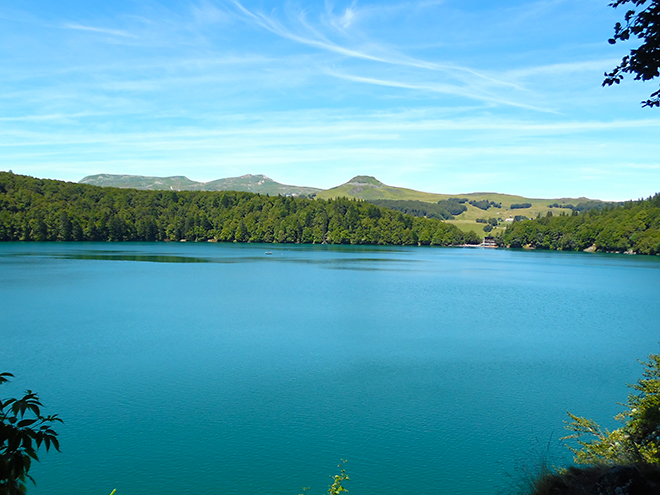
<point>202,369</point>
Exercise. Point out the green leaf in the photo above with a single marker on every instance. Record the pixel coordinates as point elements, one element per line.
<point>26,422</point>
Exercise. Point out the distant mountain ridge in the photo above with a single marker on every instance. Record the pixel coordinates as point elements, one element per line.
<point>176,183</point>
<point>245,183</point>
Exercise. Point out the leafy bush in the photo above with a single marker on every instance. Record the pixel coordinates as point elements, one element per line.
<point>21,437</point>
<point>638,440</point>
<point>625,460</point>
<point>483,204</point>
<point>337,485</point>
<point>337,481</point>
<point>454,206</point>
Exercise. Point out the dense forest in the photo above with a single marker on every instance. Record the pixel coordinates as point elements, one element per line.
<point>444,209</point>
<point>416,208</point>
<point>633,227</point>
<point>49,210</point>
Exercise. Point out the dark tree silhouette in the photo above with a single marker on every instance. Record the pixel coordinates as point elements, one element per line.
<point>642,20</point>
<point>21,435</point>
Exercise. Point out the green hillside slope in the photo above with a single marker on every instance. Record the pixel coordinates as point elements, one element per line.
<point>480,206</point>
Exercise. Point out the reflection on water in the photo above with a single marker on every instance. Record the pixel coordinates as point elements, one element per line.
<point>133,257</point>
<point>297,255</point>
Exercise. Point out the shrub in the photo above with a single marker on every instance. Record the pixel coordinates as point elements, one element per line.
<point>638,440</point>
<point>21,437</point>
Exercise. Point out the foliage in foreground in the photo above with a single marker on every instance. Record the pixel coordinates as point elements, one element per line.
<point>625,460</point>
<point>21,437</point>
<point>638,440</point>
<point>641,21</point>
<point>337,486</point>
<point>595,480</point>
<point>48,210</point>
<point>633,226</point>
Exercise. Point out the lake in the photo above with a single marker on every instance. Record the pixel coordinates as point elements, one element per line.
<point>218,368</point>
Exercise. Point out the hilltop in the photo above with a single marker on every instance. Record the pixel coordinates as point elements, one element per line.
<point>367,187</point>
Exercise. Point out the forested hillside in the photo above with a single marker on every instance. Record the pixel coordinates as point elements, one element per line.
<point>633,227</point>
<point>49,210</point>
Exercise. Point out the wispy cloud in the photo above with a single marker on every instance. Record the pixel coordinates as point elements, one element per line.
<point>344,20</point>
<point>291,146</point>
<point>49,117</point>
<point>563,69</point>
<point>313,37</point>
<point>440,88</point>
<point>642,166</point>
<point>112,32</point>
<point>207,13</point>
<point>301,129</point>
<point>447,78</point>
<point>318,40</point>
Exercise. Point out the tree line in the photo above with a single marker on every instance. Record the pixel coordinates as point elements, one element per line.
<point>48,210</point>
<point>633,226</point>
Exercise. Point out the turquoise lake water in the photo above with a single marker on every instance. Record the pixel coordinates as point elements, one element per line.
<point>215,368</point>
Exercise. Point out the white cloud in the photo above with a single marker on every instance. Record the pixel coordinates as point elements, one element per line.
<point>381,54</point>
<point>642,166</point>
<point>48,117</point>
<point>113,32</point>
<point>207,13</point>
<point>450,89</point>
<point>348,17</point>
<point>343,21</point>
<point>563,69</point>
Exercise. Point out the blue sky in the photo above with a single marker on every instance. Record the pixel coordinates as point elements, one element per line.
<point>444,96</point>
